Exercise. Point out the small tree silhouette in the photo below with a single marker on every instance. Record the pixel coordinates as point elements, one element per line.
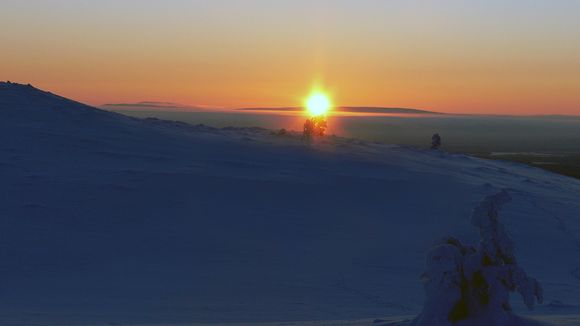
<point>315,126</point>
<point>435,141</point>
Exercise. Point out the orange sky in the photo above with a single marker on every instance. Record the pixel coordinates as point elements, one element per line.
<point>503,57</point>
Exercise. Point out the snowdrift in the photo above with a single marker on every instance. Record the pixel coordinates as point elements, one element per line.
<point>110,219</point>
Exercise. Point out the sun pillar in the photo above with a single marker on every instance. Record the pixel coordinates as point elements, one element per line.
<point>317,107</point>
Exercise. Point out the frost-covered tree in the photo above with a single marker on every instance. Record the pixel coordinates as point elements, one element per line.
<point>465,283</point>
<point>443,282</point>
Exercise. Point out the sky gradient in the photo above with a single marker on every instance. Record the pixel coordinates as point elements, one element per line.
<point>500,57</point>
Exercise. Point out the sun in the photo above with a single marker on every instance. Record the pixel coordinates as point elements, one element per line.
<point>318,104</point>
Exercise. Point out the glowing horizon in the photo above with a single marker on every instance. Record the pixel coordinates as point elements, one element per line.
<point>487,57</point>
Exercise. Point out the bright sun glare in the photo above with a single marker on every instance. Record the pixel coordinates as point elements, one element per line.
<point>318,104</point>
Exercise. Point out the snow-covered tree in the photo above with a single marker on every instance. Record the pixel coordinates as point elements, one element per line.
<point>465,283</point>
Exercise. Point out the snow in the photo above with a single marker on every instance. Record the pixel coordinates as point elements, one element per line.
<point>110,219</point>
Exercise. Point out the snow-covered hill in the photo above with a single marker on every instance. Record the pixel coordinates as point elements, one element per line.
<point>109,219</point>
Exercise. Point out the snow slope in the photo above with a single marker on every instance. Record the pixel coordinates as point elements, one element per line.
<point>109,219</point>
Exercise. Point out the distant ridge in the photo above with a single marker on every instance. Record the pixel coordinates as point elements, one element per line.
<point>152,106</point>
<point>351,109</point>
<point>372,109</point>
<point>28,97</point>
<point>26,103</point>
<point>15,91</point>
